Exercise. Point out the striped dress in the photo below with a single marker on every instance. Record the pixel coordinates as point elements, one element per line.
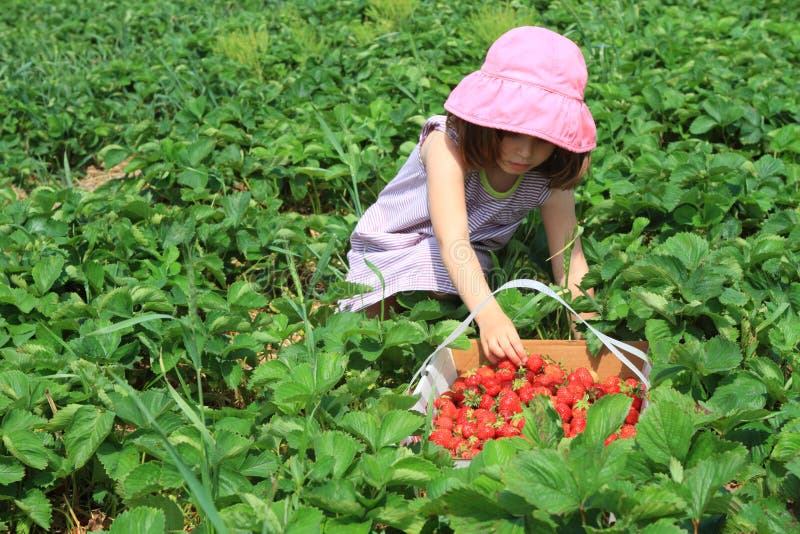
<point>395,234</point>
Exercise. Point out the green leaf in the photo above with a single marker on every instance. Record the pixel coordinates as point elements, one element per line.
<point>690,249</point>
<point>543,479</point>
<point>707,477</point>
<point>305,519</point>
<point>243,295</point>
<point>397,425</point>
<point>542,423</point>
<point>340,446</point>
<point>656,303</point>
<point>702,124</point>
<point>364,425</point>
<point>787,446</point>
<point>743,392</point>
<point>335,496</point>
<point>89,427</point>
<point>138,520</point>
<point>118,462</point>
<point>10,470</point>
<point>25,445</point>
<point>653,502</point>
<point>402,332</point>
<point>664,431</point>
<point>716,355</point>
<point>199,150</point>
<point>36,506</point>
<point>603,418</point>
<point>46,271</point>
<point>413,471</point>
<point>143,479</point>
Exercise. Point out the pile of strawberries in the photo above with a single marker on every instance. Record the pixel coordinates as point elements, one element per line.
<point>486,403</point>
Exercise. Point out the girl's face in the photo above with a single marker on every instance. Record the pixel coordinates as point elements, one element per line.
<point>520,153</point>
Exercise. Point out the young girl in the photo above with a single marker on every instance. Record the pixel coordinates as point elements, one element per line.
<point>517,136</point>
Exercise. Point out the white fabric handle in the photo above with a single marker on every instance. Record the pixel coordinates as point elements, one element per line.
<point>612,344</point>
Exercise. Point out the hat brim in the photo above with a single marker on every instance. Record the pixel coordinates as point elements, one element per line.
<point>505,104</point>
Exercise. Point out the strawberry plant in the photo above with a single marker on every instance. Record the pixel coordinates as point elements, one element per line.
<point>178,184</point>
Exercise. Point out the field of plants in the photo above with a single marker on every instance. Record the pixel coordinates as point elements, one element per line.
<point>178,183</point>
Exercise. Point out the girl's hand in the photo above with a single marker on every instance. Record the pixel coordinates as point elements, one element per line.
<point>499,337</point>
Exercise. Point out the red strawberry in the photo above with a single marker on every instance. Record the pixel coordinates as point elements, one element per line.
<point>457,390</point>
<point>555,372</point>
<point>611,438</point>
<point>585,377</point>
<point>487,401</point>
<point>485,431</point>
<point>578,423</point>
<point>472,379</point>
<point>564,411</point>
<point>627,431</point>
<point>526,392</point>
<point>509,404</point>
<point>534,363</point>
<point>468,429</point>
<point>504,375</point>
<point>442,437</point>
<point>491,386</point>
<point>633,416</point>
<point>507,430</point>
<point>540,390</point>
<point>484,416</point>
<point>565,396</point>
<point>568,433</point>
<point>517,421</point>
<point>611,385</point>
<point>637,403</point>
<point>443,422</point>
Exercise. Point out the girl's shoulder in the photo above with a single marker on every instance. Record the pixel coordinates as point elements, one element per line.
<point>436,123</point>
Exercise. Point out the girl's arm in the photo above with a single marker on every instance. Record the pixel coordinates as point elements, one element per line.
<point>447,205</point>
<point>560,225</point>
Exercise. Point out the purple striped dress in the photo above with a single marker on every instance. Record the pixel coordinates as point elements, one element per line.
<point>395,234</point>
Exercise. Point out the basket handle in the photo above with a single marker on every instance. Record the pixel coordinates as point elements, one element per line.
<point>610,343</point>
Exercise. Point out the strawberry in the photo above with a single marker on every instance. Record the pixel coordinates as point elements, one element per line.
<point>637,403</point>
<point>627,431</point>
<point>485,431</point>
<point>526,392</point>
<point>487,401</point>
<point>484,416</point>
<point>534,363</point>
<point>633,416</point>
<point>468,429</point>
<point>507,430</point>
<point>517,421</point>
<point>504,374</point>
<point>441,437</point>
<point>472,379</point>
<point>611,385</point>
<point>540,390</point>
<point>491,385</point>
<point>610,439</point>
<point>565,396</point>
<point>578,423</point>
<point>554,371</point>
<point>585,378</point>
<point>509,404</point>
<point>457,389</point>
<point>568,433</point>
<point>443,422</point>
<point>564,411</point>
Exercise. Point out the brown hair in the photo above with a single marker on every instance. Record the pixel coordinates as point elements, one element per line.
<point>479,146</point>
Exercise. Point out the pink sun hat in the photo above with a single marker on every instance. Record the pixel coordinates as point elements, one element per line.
<point>532,82</point>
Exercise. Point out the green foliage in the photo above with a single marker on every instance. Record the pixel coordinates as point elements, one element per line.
<point>169,351</point>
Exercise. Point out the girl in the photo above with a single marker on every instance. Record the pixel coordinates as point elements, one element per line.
<point>517,136</point>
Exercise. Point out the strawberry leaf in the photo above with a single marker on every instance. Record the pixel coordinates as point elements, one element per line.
<point>37,507</point>
<point>140,519</point>
<point>664,431</point>
<point>543,478</point>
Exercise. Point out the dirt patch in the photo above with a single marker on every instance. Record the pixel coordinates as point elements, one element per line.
<point>95,177</point>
